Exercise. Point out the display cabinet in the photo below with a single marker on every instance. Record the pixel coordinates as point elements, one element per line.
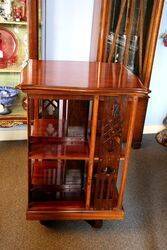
<point>16,47</point>
<point>77,169</point>
<point>128,32</point>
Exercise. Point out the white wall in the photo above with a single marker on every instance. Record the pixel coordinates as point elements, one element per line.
<point>68,37</point>
<point>157,108</point>
<point>68,29</point>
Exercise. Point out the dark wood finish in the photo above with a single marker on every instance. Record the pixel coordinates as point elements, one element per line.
<point>75,177</point>
<point>139,126</point>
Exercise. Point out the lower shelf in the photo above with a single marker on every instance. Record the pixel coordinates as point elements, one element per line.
<point>17,116</point>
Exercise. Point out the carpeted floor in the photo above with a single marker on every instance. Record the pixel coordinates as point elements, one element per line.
<point>145,226</point>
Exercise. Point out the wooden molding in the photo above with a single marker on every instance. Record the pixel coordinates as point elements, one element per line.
<point>152,41</point>
<point>33,28</point>
<point>104,28</point>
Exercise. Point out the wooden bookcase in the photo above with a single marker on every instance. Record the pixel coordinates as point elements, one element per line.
<point>74,165</point>
<point>26,33</point>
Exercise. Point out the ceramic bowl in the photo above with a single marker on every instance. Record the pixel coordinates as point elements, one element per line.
<point>8,95</point>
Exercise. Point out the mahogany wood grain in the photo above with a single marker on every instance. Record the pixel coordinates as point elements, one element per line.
<point>89,78</point>
<point>69,149</point>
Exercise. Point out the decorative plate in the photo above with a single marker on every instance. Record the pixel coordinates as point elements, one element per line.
<point>8,47</point>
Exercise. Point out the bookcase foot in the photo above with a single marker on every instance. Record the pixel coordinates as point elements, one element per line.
<point>136,144</point>
<point>95,223</point>
<point>46,223</point>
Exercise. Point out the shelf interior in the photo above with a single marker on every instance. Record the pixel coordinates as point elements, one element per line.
<point>55,181</point>
<point>50,139</point>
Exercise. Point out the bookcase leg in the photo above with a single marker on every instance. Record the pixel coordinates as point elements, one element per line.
<point>95,223</point>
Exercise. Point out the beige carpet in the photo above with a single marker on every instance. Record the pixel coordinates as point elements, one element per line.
<point>145,226</point>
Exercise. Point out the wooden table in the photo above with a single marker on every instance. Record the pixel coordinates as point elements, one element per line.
<point>75,155</point>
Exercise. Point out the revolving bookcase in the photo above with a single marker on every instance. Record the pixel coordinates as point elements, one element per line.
<point>77,168</point>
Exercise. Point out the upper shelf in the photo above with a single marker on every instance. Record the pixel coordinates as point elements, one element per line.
<point>13,23</point>
<point>82,78</point>
<point>14,68</point>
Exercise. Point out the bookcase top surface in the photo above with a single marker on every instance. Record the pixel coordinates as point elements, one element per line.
<point>74,77</point>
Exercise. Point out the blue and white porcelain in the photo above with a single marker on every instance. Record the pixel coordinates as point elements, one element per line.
<point>7,97</point>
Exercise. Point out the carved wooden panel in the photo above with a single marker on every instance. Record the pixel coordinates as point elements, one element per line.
<point>109,153</point>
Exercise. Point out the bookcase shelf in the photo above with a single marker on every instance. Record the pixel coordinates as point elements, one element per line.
<point>14,68</point>
<point>13,23</point>
<point>65,148</point>
<point>17,114</point>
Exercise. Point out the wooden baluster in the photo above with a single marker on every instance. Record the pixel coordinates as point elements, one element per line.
<point>96,195</point>
<point>101,198</point>
<point>92,150</point>
<point>127,151</point>
<point>108,195</point>
<point>36,116</point>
